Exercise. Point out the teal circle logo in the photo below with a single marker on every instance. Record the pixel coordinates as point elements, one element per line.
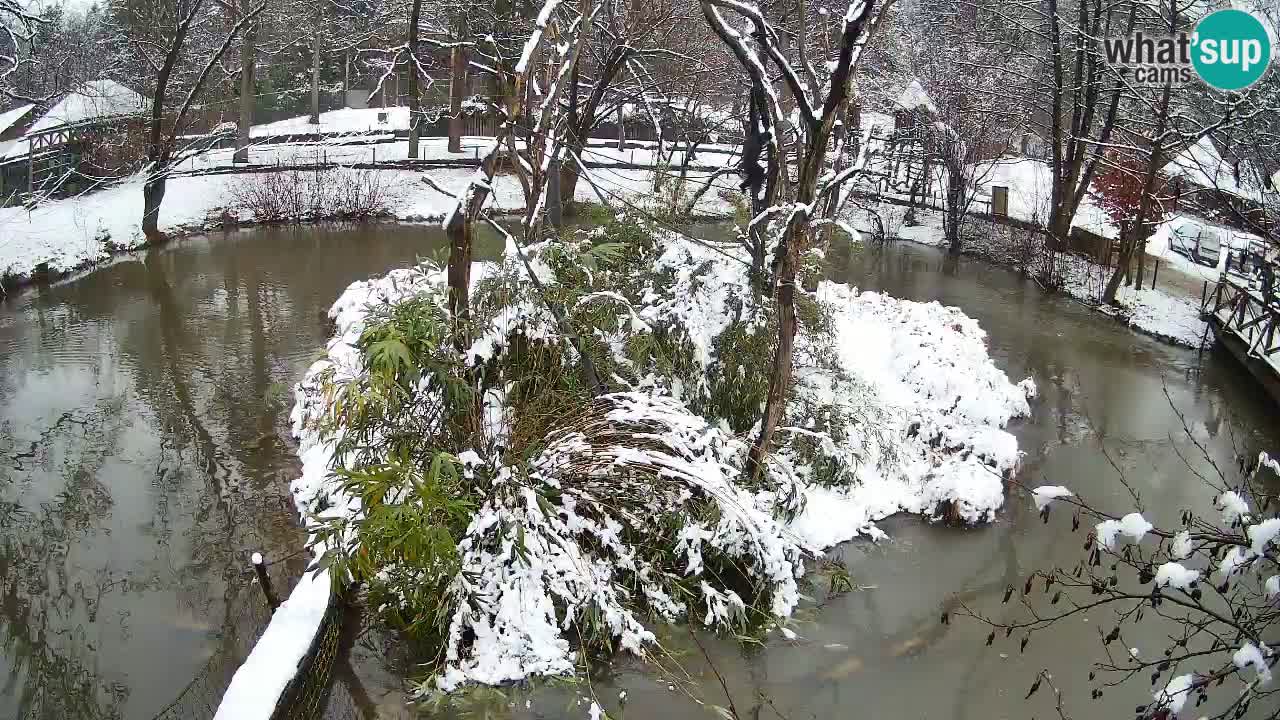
<point>1231,49</point>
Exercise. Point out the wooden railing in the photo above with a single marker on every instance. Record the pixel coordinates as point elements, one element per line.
<point>1233,306</point>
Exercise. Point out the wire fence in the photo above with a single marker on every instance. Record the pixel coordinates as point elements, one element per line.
<point>248,619</point>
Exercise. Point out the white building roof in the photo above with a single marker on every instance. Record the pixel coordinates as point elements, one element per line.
<point>1202,165</point>
<point>96,100</point>
<point>914,97</point>
<point>11,117</point>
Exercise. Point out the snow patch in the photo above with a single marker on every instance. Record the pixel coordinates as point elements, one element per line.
<point>1174,575</point>
<point>1251,655</point>
<point>1046,494</point>
<point>1133,526</point>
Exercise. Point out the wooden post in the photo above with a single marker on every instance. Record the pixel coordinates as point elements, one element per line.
<point>260,569</point>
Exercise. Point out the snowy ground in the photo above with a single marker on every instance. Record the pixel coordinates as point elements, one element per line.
<point>69,234</point>
<point>1170,311</point>
<point>384,148</point>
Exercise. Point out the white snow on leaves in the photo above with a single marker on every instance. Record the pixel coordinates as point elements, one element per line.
<point>1182,546</point>
<point>1233,507</point>
<point>922,370</point>
<point>1174,695</point>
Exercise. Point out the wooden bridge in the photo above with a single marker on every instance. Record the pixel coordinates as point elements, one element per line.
<point>1247,323</point>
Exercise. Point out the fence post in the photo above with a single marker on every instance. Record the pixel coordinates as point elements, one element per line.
<point>1155,272</point>
<point>260,568</point>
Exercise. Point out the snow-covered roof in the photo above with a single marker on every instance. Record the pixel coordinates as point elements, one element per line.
<point>11,117</point>
<point>92,101</point>
<point>1202,165</point>
<point>914,97</point>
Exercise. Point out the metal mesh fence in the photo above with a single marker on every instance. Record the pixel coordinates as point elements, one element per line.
<point>249,617</point>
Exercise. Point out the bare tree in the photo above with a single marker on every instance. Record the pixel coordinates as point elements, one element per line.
<point>248,64</point>
<point>784,210</point>
<point>18,25</point>
<point>415,98</point>
<point>179,42</point>
<point>1207,587</point>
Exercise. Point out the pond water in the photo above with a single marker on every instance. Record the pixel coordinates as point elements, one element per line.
<point>144,453</point>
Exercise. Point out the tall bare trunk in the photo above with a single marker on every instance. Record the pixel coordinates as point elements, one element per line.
<point>248,62</point>
<point>415,116</point>
<point>622,129</point>
<point>152,197</point>
<point>784,355</point>
<point>315,69</point>
<point>457,92</point>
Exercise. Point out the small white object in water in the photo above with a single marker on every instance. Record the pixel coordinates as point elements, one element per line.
<point>788,633</point>
<point>836,646</point>
<point>257,558</point>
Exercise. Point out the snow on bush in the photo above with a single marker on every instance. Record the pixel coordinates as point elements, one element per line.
<point>1207,587</point>
<point>1044,495</point>
<point>1133,526</point>
<point>559,519</point>
<point>1174,575</point>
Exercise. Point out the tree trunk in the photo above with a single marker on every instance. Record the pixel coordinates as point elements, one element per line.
<point>415,116</point>
<point>1140,248</point>
<point>570,173</point>
<point>1122,265</point>
<point>247,65</point>
<point>780,380</point>
<point>457,91</point>
<point>152,197</point>
<point>315,70</point>
<point>953,214</point>
<point>622,130</point>
<point>554,204</point>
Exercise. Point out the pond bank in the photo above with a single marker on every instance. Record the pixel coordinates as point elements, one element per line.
<point>61,237</point>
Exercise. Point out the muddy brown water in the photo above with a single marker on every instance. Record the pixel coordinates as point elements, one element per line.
<point>144,453</point>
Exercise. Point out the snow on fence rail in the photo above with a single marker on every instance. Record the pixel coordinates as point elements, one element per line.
<point>288,669</point>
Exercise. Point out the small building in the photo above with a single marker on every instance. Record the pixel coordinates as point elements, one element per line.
<point>14,123</point>
<point>86,136</point>
<point>1221,185</point>
<point>913,108</point>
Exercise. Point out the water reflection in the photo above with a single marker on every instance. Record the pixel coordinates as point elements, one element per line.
<point>144,453</point>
